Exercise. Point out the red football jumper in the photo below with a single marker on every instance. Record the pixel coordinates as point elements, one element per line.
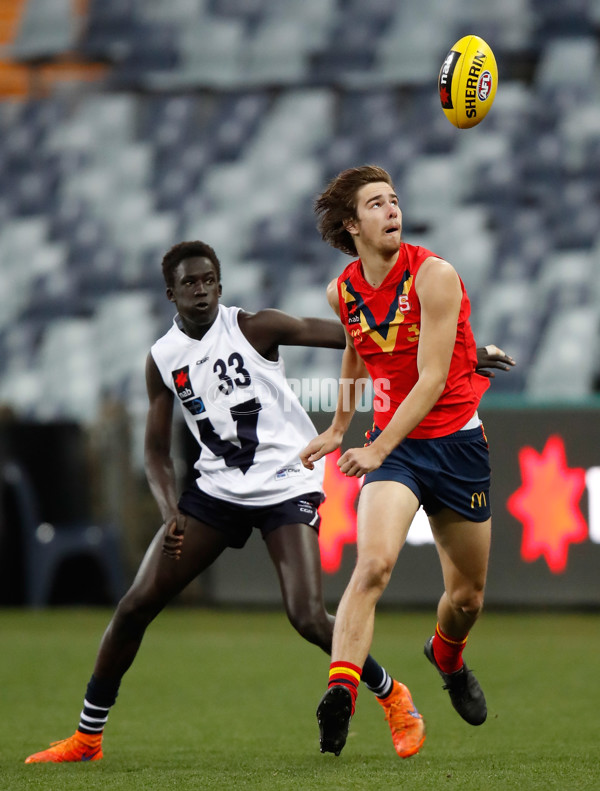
<point>384,324</point>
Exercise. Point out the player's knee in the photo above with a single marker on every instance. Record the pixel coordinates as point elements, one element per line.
<point>136,609</point>
<point>313,623</point>
<point>373,574</point>
<point>468,600</point>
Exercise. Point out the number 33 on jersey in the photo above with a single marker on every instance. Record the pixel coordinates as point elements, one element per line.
<point>249,424</point>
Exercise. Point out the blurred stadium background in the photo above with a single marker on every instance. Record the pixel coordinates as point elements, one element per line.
<point>129,125</point>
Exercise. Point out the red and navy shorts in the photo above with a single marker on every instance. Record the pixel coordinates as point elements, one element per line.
<point>238,521</point>
<point>444,472</point>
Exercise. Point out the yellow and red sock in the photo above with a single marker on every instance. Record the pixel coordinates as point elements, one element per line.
<point>448,651</point>
<point>347,675</point>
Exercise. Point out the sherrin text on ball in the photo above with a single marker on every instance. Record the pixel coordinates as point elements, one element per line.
<point>467,82</point>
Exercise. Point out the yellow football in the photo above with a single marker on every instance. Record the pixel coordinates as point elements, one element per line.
<point>468,81</point>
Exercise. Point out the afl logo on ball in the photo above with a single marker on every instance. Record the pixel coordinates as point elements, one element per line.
<point>484,86</point>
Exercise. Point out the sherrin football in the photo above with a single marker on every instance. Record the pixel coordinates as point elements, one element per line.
<point>468,81</point>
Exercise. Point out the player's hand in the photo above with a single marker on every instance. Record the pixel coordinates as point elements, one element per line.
<point>173,540</point>
<point>320,446</point>
<point>356,462</point>
<point>492,357</point>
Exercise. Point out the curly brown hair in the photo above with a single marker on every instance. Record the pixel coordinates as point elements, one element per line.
<point>336,206</point>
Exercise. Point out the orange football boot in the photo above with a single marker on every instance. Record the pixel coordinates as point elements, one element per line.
<point>406,724</point>
<point>79,747</point>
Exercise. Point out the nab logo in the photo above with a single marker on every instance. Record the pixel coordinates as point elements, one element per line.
<point>181,379</point>
<point>445,79</point>
<point>479,498</point>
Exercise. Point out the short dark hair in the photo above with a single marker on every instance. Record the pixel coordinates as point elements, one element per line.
<point>337,204</point>
<point>183,250</point>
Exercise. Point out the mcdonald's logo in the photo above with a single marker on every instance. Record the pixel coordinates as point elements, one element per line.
<point>480,497</point>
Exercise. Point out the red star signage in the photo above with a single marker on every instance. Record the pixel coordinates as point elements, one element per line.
<point>549,483</point>
<point>547,504</point>
<point>338,517</point>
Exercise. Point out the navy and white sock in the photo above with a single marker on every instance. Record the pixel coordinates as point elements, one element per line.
<point>377,679</point>
<point>92,718</point>
<point>99,697</point>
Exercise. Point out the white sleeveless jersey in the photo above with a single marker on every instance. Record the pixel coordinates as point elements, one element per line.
<point>248,422</point>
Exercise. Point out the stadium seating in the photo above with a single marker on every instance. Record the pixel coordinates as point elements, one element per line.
<point>46,30</point>
<point>222,119</point>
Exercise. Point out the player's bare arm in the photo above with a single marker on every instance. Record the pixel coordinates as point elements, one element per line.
<point>332,297</point>
<point>353,378</point>
<point>157,457</point>
<point>439,291</point>
<point>268,329</point>
<point>353,375</point>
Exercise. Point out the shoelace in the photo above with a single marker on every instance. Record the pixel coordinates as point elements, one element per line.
<point>69,738</point>
<point>60,741</point>
<point>460,683</point>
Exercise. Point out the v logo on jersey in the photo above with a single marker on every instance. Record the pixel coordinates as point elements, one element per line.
<point>384,333</point>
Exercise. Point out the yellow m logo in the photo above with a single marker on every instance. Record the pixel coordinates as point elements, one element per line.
<point>480,497</point>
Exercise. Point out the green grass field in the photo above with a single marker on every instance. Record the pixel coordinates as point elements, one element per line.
<point>226,700</point>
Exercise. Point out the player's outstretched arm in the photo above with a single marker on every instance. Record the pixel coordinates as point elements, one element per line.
<point>270,328</point>
<point>492,357</point>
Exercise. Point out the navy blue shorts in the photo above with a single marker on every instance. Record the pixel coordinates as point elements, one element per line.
<point>445,472</point>
<point>238,521</point>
